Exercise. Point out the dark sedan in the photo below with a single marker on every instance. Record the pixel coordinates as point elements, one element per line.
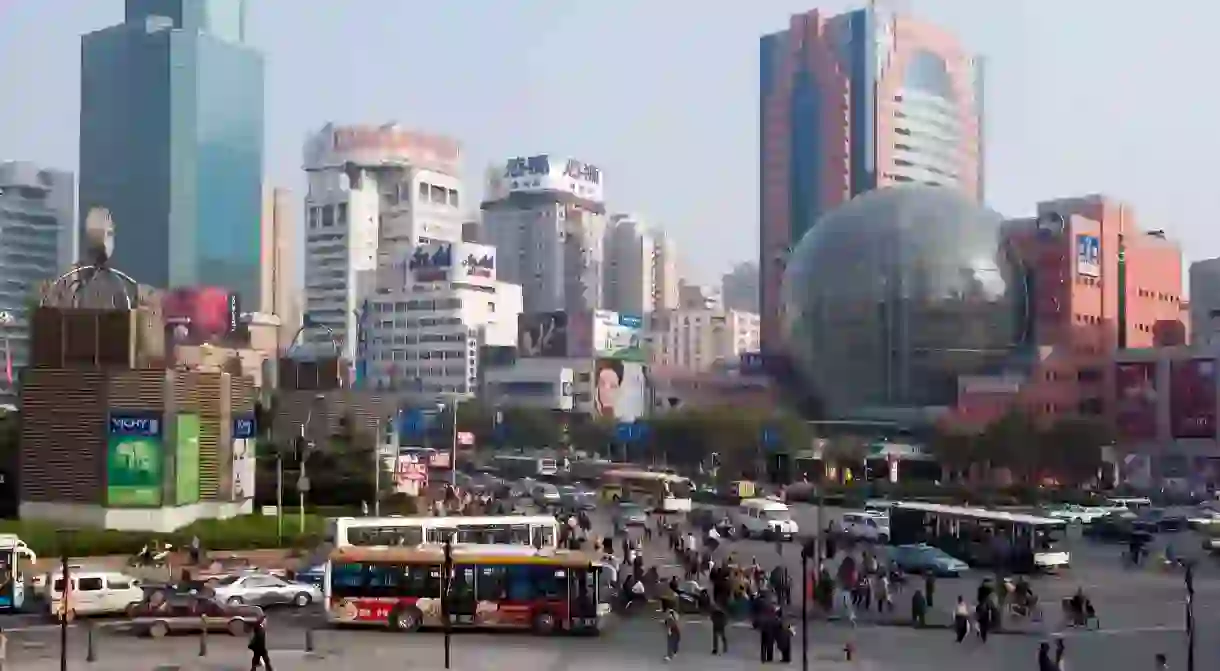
<point>1159,520</point>
<point>1113,527</point>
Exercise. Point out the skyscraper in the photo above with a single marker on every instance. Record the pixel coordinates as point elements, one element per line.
<point>546,217</point>
<point>37,243</point>
<point>279,288</point>
<point>171,142</point>
<point>854,102</point>
<point>375,194</point>
<point>641,268</point>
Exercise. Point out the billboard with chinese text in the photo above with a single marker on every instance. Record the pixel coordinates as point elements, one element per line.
<point>1192,398</point>
<point>1135,407</point>
<point>135,460</point>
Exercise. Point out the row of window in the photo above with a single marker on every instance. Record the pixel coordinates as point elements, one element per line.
<point>417,305</point>
<point>427,355</point>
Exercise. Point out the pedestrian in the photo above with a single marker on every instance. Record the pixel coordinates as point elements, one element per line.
<point>779,543</point>
<point>720,628</point>
<point>766,637</point>
<point>258,645</point>
<point>929,588</point>
<point>195,550</point>
<point>1059,653</point>
<point>785,635</point>
<point>1161,662</point>
<point>982,616</point>
<point>919,609</point>
<point>673,634</point>
<point>1045,663</point>
<point>961,619</point>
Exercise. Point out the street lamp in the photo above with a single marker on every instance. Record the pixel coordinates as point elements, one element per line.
<point>446,588</point>
<point>303,450</point>
<point>1189,578</point>
<point>452,406</point>
<point>808,550</point>
<point>6,320</point>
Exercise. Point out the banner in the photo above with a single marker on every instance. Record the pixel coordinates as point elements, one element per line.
<point>620,390</point>
<point>1192,398</point>
<point>186,460</point>
<point>1136,400</point>
<point>243,458</point>
<point>135,460</point>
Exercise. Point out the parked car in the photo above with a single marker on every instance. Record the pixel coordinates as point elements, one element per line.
<point>863,526</point>
<point>1203,518</point>
<point>156,619</point>
<point>629,515</point>
<point>922,558</point>
<point>1078,514</point>
<point>577,499</point>
<point>224,566</point>
<point>1160,520</point>
<point>262,589</point>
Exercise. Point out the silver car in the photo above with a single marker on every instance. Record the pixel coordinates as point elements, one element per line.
<point>264,589</point>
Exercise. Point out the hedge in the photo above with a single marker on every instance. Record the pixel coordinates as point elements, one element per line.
<point>248,532</point>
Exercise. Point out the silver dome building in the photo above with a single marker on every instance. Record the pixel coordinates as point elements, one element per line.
<point>891,297</point>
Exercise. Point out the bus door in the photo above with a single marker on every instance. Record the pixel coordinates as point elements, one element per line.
<point>461,603</point>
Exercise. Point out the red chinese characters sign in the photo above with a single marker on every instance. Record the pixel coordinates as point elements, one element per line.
<point>1136,400</point>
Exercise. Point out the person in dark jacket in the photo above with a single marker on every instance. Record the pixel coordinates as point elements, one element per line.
<point>784,634</point>
<point>720,627</point>
<point>258,645</point>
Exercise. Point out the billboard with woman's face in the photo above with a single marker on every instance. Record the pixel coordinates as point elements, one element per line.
<point>620,390</point>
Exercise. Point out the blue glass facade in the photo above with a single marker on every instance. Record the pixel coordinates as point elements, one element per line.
<point>171,143</point>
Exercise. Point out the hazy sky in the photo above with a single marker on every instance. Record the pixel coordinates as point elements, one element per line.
<point>1083,95</point>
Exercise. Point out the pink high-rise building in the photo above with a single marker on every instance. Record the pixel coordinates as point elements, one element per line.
<point>849,103</point>
<point>1097,283</point>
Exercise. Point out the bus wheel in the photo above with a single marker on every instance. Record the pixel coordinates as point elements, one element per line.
<point>544,623</point>
<point>408,619</point>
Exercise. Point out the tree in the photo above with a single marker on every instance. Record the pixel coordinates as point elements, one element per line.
<point>955,451</point>
<point>846,451</point>
<point>1072,449</point>
<point>1012,442</point>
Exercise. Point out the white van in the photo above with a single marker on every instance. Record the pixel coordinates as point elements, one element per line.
<point>94,593</point>
<point>763,517</point>
<point>1132,503</point>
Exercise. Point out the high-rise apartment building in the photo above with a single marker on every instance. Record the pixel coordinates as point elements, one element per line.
<point>693,296</point>
<point>171,142</point>
<point>698,340</point>
<point>279,285</point>
<point>1205,302</point>
<point>641,267</point>
<point>739,287</point>
<point>38,241</point>
<point>854,102</point>
<point>546,217</point>
<point>375,194</point>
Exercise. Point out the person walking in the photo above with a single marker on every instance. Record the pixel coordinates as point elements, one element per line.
<point>720,627</point>
<point>673,634</point>
<point>258,645</point>
<point>961,619</point>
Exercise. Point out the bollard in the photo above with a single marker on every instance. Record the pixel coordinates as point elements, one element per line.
<point>203,636</point>
<point>90,649</point>
<point>309,639</point>
<point>848,651</point>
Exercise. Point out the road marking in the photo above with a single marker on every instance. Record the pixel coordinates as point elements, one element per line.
<point>1118,632</point>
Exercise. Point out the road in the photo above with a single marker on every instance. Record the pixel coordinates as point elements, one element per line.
<point>1141,612</point>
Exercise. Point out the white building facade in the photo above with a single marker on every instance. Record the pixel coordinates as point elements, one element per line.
<point>546,217</point>
<point>429,315</point>
<point>641,267</point>
<point>542,384</point>
<point>698,340</point>
<point>38,242</point>
<point>375,193</point>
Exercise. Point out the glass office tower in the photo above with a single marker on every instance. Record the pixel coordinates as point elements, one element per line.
<point>171,142</point>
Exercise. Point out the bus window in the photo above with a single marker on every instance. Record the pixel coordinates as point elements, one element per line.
<point>520,583</point>
<point>384,580</point>
<point>551,583</point>
<point>347,579</point>
<point>462,587</point>
<point>492,584</point>
<point>544,537</point>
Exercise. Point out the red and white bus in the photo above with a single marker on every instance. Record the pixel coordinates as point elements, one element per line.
<point>491,586</point>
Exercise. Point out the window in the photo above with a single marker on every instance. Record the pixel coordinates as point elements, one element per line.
<point>492,584</point>
<point>342,216</point>
<point>328,216</point>
<point>439,195</point>
<point>120,583</point>
<point>453,198</point>
<point>384,580</point>
<point>89,584</point>
<point>347,579</point>
<point>421,581</point>
<point>423,192</point>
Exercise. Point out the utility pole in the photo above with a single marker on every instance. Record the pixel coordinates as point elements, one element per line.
<point>1190,616</point>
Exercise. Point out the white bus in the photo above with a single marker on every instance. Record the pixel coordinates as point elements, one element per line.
<point>661,492</point>
<point>539,531</point>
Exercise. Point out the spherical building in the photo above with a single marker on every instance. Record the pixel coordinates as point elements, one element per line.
<point>890,298</point>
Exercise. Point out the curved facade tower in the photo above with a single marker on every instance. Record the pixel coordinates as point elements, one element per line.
<point>849,103</point>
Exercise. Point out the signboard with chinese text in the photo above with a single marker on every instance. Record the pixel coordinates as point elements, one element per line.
<point>542,172</point>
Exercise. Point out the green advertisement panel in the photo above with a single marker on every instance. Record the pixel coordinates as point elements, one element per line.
<point>186,457</point>
<point>135,460</point>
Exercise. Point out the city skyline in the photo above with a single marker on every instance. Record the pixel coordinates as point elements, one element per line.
<point>1036,150</point>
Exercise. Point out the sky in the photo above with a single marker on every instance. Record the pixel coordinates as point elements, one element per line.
<point>1083,96</point>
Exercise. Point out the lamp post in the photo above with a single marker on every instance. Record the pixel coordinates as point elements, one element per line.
<point>446,588</point>
<point>809,549</point>
<point>452,406</point>
<point>1189,578</point>
<point>65,610</point>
